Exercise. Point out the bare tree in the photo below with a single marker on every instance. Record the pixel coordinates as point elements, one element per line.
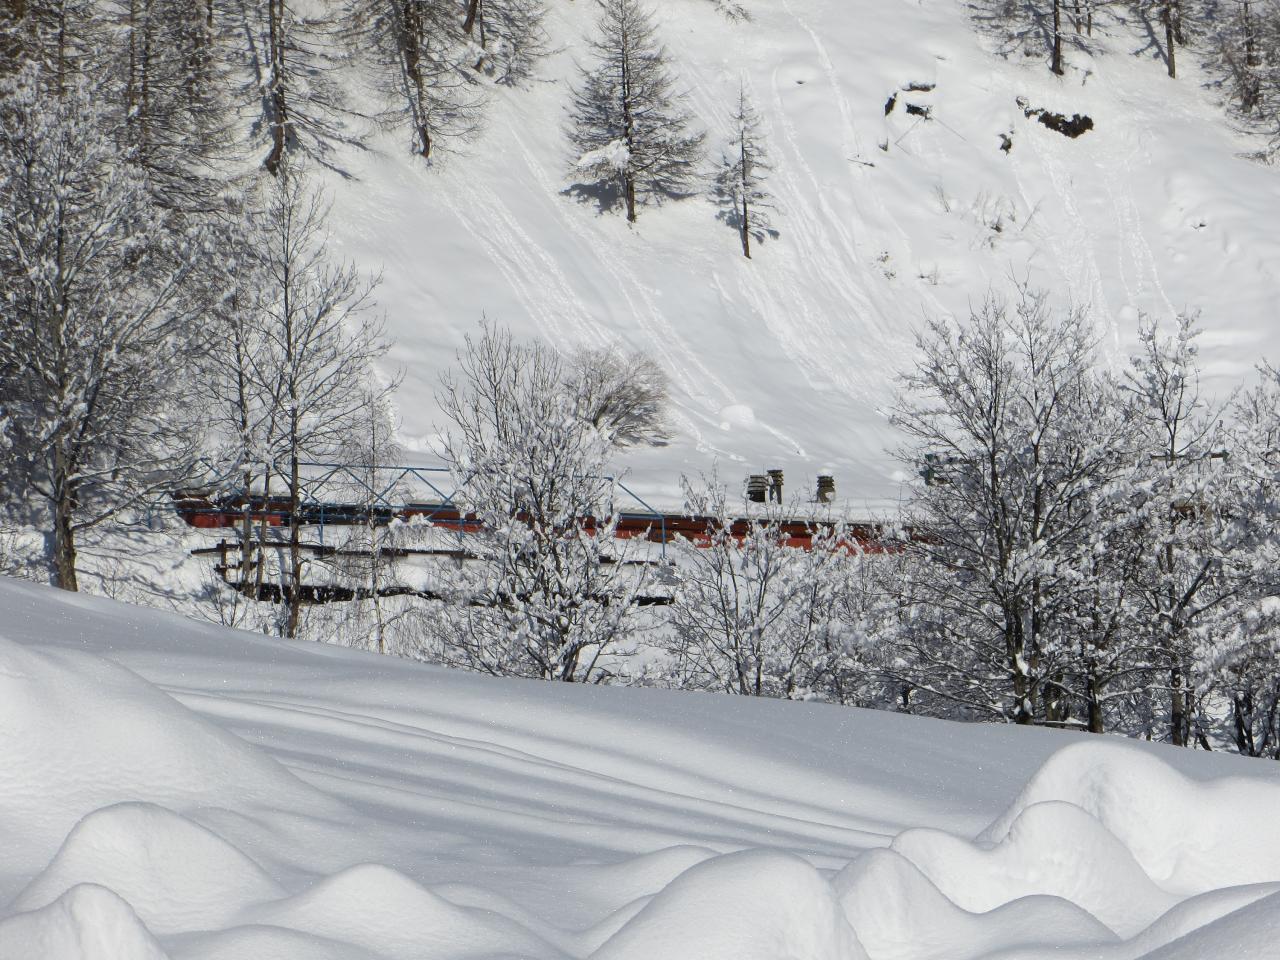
<point>752,615</point>
<point>1012,425</point>
<point>318,350</point>
<point>95,328</point>
<point>628,126</point>
<point>548,592</point>
<point>1188,583</point>
<point>624,395</point>
<point>368,558</point>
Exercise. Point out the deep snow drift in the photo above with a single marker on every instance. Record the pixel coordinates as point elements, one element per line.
<point>788,359</point>
<point>172,790</point>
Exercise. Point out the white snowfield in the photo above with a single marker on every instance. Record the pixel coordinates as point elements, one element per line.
<point>171,790</point>
<point>788,360</point>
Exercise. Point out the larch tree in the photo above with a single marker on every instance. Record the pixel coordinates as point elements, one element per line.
<point>173,97</point>
<point>628,125</point>
<point>96,328</point>
<point>304,107</point>
<point>507,35</point>
<point>740,186</point>
<point>67,39</point>
<point>421,67</point>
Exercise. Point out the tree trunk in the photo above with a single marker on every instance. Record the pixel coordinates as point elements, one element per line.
<point>295,550</point>
<point>1094,695</point>
<point>278,106</point>
<point>746,210</point>
<point>413,67</point>
<point>1177,708</point>
<point>629,189</point>
<point>64,539</point>
<point>1055,64</point>
<point>1242,712</point>
<point>1170,33</point>
<point>473,12</point>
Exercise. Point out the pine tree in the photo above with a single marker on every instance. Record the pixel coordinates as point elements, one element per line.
<point>740,184</point>
<point>628,126</point>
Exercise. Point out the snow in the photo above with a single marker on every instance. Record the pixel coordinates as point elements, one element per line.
<point>788,360</point>
<point>182,791</point>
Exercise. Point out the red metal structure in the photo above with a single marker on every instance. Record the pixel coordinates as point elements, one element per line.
<point>208,512</point>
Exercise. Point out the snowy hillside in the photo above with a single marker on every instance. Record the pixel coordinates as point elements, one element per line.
<point>178,791</point>
<point>787,360</point>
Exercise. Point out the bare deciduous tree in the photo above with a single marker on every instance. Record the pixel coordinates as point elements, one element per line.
<point>318,348</point>
<point>550,593</point>
<point>624,395</point>
<point>95,328</point>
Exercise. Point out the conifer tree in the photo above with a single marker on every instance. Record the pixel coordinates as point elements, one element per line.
<point>421,65</point>
<point>304,107</point>
<point>740,184</point>
<point>628,125</point>
<point>509,35</point>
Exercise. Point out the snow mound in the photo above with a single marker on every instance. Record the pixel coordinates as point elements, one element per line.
<point>899,914</point>
<point>78,733</point>
<point>86,923</point>
<point>1186,835</point>
<point>752,905</point>
<point>176,874</point>
<point>1053,849</point>
<point>1252,931</point>
<point>264,943</point>
<point>1196,912</point>
<point>385,912</point>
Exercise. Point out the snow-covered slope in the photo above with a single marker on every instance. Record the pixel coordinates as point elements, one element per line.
<point>169,790</point>
<point>788,360</point>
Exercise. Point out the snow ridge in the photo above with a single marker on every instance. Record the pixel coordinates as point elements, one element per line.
<point>350,823</point>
